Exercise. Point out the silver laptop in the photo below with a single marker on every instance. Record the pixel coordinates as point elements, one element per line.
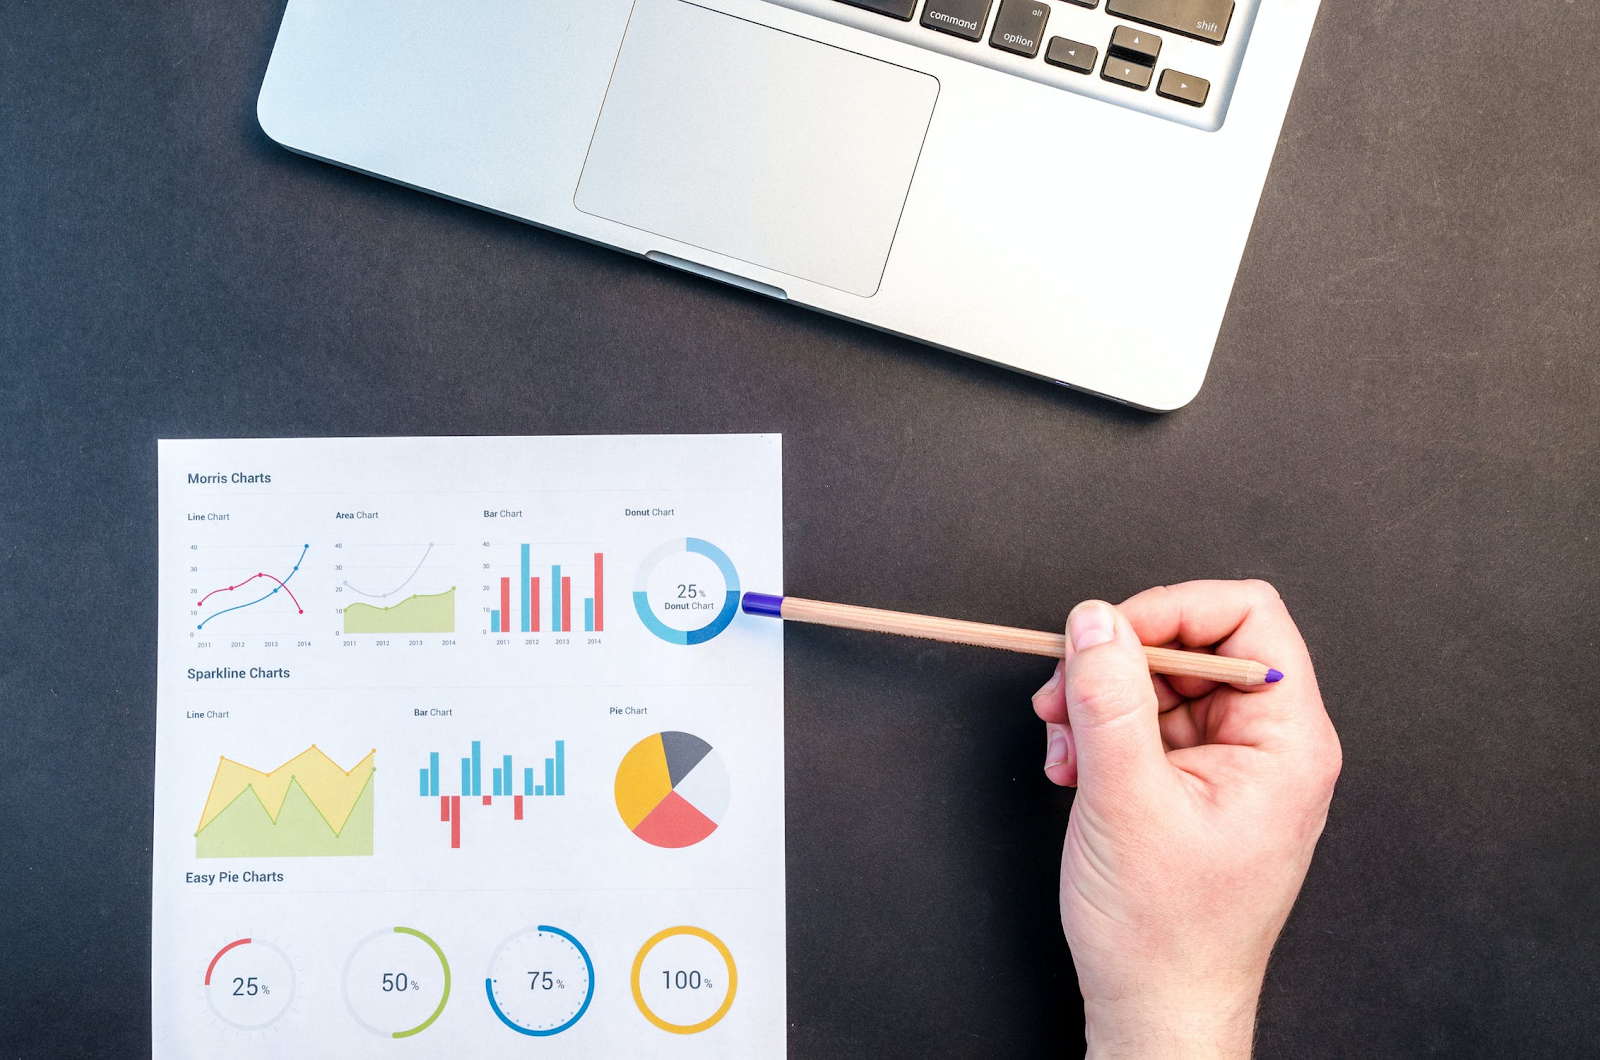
<point>1063,188</point>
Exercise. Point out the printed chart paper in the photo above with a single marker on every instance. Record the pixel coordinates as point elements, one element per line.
<point>464,747</point>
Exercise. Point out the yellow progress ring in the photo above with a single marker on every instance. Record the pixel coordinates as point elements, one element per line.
<point>727,958</point>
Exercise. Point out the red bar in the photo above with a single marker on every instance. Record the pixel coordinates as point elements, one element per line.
<point>505,605</point>
<point>444,807</point>
<point>516,811</point>
<point>566,603</point>
<point>533,590</point>
<point>486,800</point>
<point>599,592</point>
<point>455,822</point>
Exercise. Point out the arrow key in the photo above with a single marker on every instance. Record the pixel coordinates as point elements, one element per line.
<point>1185,88</point>
<point>1127,72</point>
<point>1071,54</point>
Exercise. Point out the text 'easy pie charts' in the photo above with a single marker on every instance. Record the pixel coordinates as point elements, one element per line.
<point>672,789</point>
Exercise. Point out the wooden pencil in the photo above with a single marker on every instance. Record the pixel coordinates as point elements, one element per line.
<point>1008,638</point>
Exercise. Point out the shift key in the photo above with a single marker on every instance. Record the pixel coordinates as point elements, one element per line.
<point>1205,20</point>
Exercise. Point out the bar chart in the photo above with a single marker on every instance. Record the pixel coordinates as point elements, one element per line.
<point>507,780</point>
<point>522,599</point>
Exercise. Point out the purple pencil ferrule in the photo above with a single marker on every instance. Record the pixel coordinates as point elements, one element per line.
<point>763,604</point>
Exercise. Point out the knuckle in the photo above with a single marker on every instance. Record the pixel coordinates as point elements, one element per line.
<point>1104,693</point>
<point>1262,589</point>
<point>1330,761</point>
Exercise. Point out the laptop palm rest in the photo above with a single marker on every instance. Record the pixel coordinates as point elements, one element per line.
<point>757,144</point>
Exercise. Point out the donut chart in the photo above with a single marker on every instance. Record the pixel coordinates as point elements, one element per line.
<point>250,984</point>
<point>672,789</point>
<point>676,595</point>
<point>540,981</point>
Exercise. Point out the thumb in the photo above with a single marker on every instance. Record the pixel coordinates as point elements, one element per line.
<point>1111,702</point>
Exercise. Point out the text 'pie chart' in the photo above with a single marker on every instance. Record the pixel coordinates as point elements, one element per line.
<point>672,789</point>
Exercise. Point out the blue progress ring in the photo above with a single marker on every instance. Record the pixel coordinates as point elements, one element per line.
<point>730,604</point>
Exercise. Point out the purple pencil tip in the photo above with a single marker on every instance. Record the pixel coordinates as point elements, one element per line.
<point>763,604</point>
<point>1274,676</point>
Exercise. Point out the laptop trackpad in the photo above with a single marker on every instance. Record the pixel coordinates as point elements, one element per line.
<point>757,144</point>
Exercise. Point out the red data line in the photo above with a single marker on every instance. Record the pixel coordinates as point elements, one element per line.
<point>247,581</point>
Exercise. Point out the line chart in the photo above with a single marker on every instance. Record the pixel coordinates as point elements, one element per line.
<point>281,586</point>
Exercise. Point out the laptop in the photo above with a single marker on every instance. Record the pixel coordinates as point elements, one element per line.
<point>1062,188</point>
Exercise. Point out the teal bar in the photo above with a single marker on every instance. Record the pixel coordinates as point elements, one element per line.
<point>497,790</point>
<point>466,776</point>
<point>539,790</point>
<point>494,621</point>
<point>555,600</point>
<point>527,781</point>
<point>477,767</point>
<point>424,772</point>
<point>433,773</point>
<point>550,775</point>
<point>561,767</point>
<point>508,778</point>
<point>588,614</point>
<point>527,587</point>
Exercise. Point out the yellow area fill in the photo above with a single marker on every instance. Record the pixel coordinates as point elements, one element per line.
<point>642,780</point>
<point>333,791</point>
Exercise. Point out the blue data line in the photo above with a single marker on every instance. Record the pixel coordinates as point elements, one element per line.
<point>274,592</point>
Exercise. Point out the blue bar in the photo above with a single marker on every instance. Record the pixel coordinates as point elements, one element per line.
<point>424,772</point>
<point>466,776</point>
<point>497,790</point>
<point>588,614</point>
<point>494,621</point>
<point>477,767</point>
<point>555,599</point>
<point>561,767</point>
<point>510,777</point>
<point>527,781</point>
<point>433,773</point>
<point>550,775</point>
<point>527,586</point>
<point>539,790</point>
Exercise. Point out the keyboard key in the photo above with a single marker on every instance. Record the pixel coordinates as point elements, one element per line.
<point>1127,72</point>
<point>964,18</point>
<point>1019,25</point>
<point>1140,45</point>
<point>1183,87</point>
<point>1085,3</point>
<point>900,9</point>
<point>1205,20</point>
<point>1071,54</point>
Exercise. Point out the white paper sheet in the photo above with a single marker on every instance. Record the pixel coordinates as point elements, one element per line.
<point>358,637</point>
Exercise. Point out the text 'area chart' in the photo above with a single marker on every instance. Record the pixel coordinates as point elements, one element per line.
<point>465,743</point>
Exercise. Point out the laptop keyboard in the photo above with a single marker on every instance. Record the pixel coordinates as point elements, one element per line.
<point>1176,59</point>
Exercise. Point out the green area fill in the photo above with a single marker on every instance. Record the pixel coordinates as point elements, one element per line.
<point>414,614</point>
<point>246,830</point>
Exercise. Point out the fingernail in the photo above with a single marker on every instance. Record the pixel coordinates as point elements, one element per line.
<point>1056,753</point>
<point>1050,685</point>
<point>1091,622</point>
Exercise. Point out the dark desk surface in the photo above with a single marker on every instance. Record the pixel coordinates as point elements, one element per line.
<point>1399,429</point>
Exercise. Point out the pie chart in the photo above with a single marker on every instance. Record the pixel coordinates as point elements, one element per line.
<point>672,789</point>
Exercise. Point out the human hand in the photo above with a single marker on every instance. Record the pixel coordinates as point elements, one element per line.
<point>1198,808</point>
